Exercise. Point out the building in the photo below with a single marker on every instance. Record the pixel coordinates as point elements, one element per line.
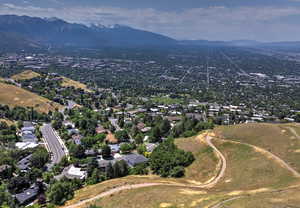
<point>72,172</point>
<point>24,164</point>
<point>133,160</point>
<point>28,195</point>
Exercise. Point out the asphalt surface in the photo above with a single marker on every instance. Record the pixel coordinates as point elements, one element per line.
<point>55,147</point>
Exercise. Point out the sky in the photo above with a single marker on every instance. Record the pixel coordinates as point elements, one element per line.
<point>261,20</point>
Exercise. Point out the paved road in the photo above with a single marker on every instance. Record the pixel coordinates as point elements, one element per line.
<point>54,145</point>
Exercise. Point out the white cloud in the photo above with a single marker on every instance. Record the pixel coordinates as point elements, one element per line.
<point>260,23</point>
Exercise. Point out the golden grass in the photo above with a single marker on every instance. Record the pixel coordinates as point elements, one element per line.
<point>248,169</point>
<point>204,167</point>
<point>8,122</point>
<point>249,173</point>
<point>15,96</point>
<point>66,82</point>
<point>288,198</point>
<point>276,138</point>
<point>28,74</point>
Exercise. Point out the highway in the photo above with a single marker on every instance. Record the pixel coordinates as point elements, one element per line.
<point>55,145</point>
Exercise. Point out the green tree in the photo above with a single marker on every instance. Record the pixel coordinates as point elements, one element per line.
<point>125,148</point>
<point>166,158</point>
<point>39,158</point>
<point>122,136</point>
<point>106,151</point>
<point>59,192</point>
<point>165,127</point>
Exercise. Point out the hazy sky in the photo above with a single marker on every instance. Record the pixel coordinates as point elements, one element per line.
<point>263,20</point>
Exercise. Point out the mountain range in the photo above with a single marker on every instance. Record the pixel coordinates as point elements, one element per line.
<point>34,33</point>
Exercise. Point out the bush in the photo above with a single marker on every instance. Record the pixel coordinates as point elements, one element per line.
<point>166,158</point>
<point>177,172</point>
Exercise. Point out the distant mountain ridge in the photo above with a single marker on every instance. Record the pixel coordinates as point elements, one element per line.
<point>34,32</point>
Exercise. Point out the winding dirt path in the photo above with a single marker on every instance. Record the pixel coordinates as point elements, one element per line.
<point>281,162</point>
<point>209,184</point>
<point>212,182</point>
<point>220,204</point>
<point>293,131</point>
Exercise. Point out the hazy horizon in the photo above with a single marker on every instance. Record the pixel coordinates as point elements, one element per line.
<point>267,21</point>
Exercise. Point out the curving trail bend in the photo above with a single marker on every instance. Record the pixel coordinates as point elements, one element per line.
<point>212,182</point>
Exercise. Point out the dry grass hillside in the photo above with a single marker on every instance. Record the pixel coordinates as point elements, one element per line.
<point>28,74</point>
<point>15,96</point>
<point>66,82</point>
<point>260,160</point>
<point>8,122</point>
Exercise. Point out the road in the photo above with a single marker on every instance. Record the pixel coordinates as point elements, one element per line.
<point>55,145</point>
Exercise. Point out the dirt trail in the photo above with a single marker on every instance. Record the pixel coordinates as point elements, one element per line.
<point>293,131</point>
<point>209,184</point>
<point>212,182</point>
<point>281,162</point>
<point>220,204</point>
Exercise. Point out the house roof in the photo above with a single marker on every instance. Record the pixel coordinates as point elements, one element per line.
<point>4,168</point>
<point>30,128</point>
<point>24,163</point>
<point>28,195</point>
<point>72,172</point>
<point>133,159</point>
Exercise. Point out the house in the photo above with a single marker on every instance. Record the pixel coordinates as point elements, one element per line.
<point>28,129</point>
<point>77,138</point>
<point>150,147</point>
<point>69,124</point>
<point>115,148</point>
<point>90,152</point>
<point>140,126</point>
<point>28,136</point>
<point>28,195</point>
<point>73,131</point>
<point>28,124</point>
<point>24,164</point>
<point>100,130</point>
<point>72,172</point>
<point>5,171</point>
<point>104,163</point>
<point>146,129</point>
<point>133,160</point>
<point>26,145</point>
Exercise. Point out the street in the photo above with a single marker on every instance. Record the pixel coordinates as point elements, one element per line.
<point>55,147</point>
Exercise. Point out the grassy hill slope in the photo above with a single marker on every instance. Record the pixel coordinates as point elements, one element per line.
<point>28,74</point>
<point>15,96</point>
<point>66,82</point>
<point>250,176</point>
<point>280,139</point>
